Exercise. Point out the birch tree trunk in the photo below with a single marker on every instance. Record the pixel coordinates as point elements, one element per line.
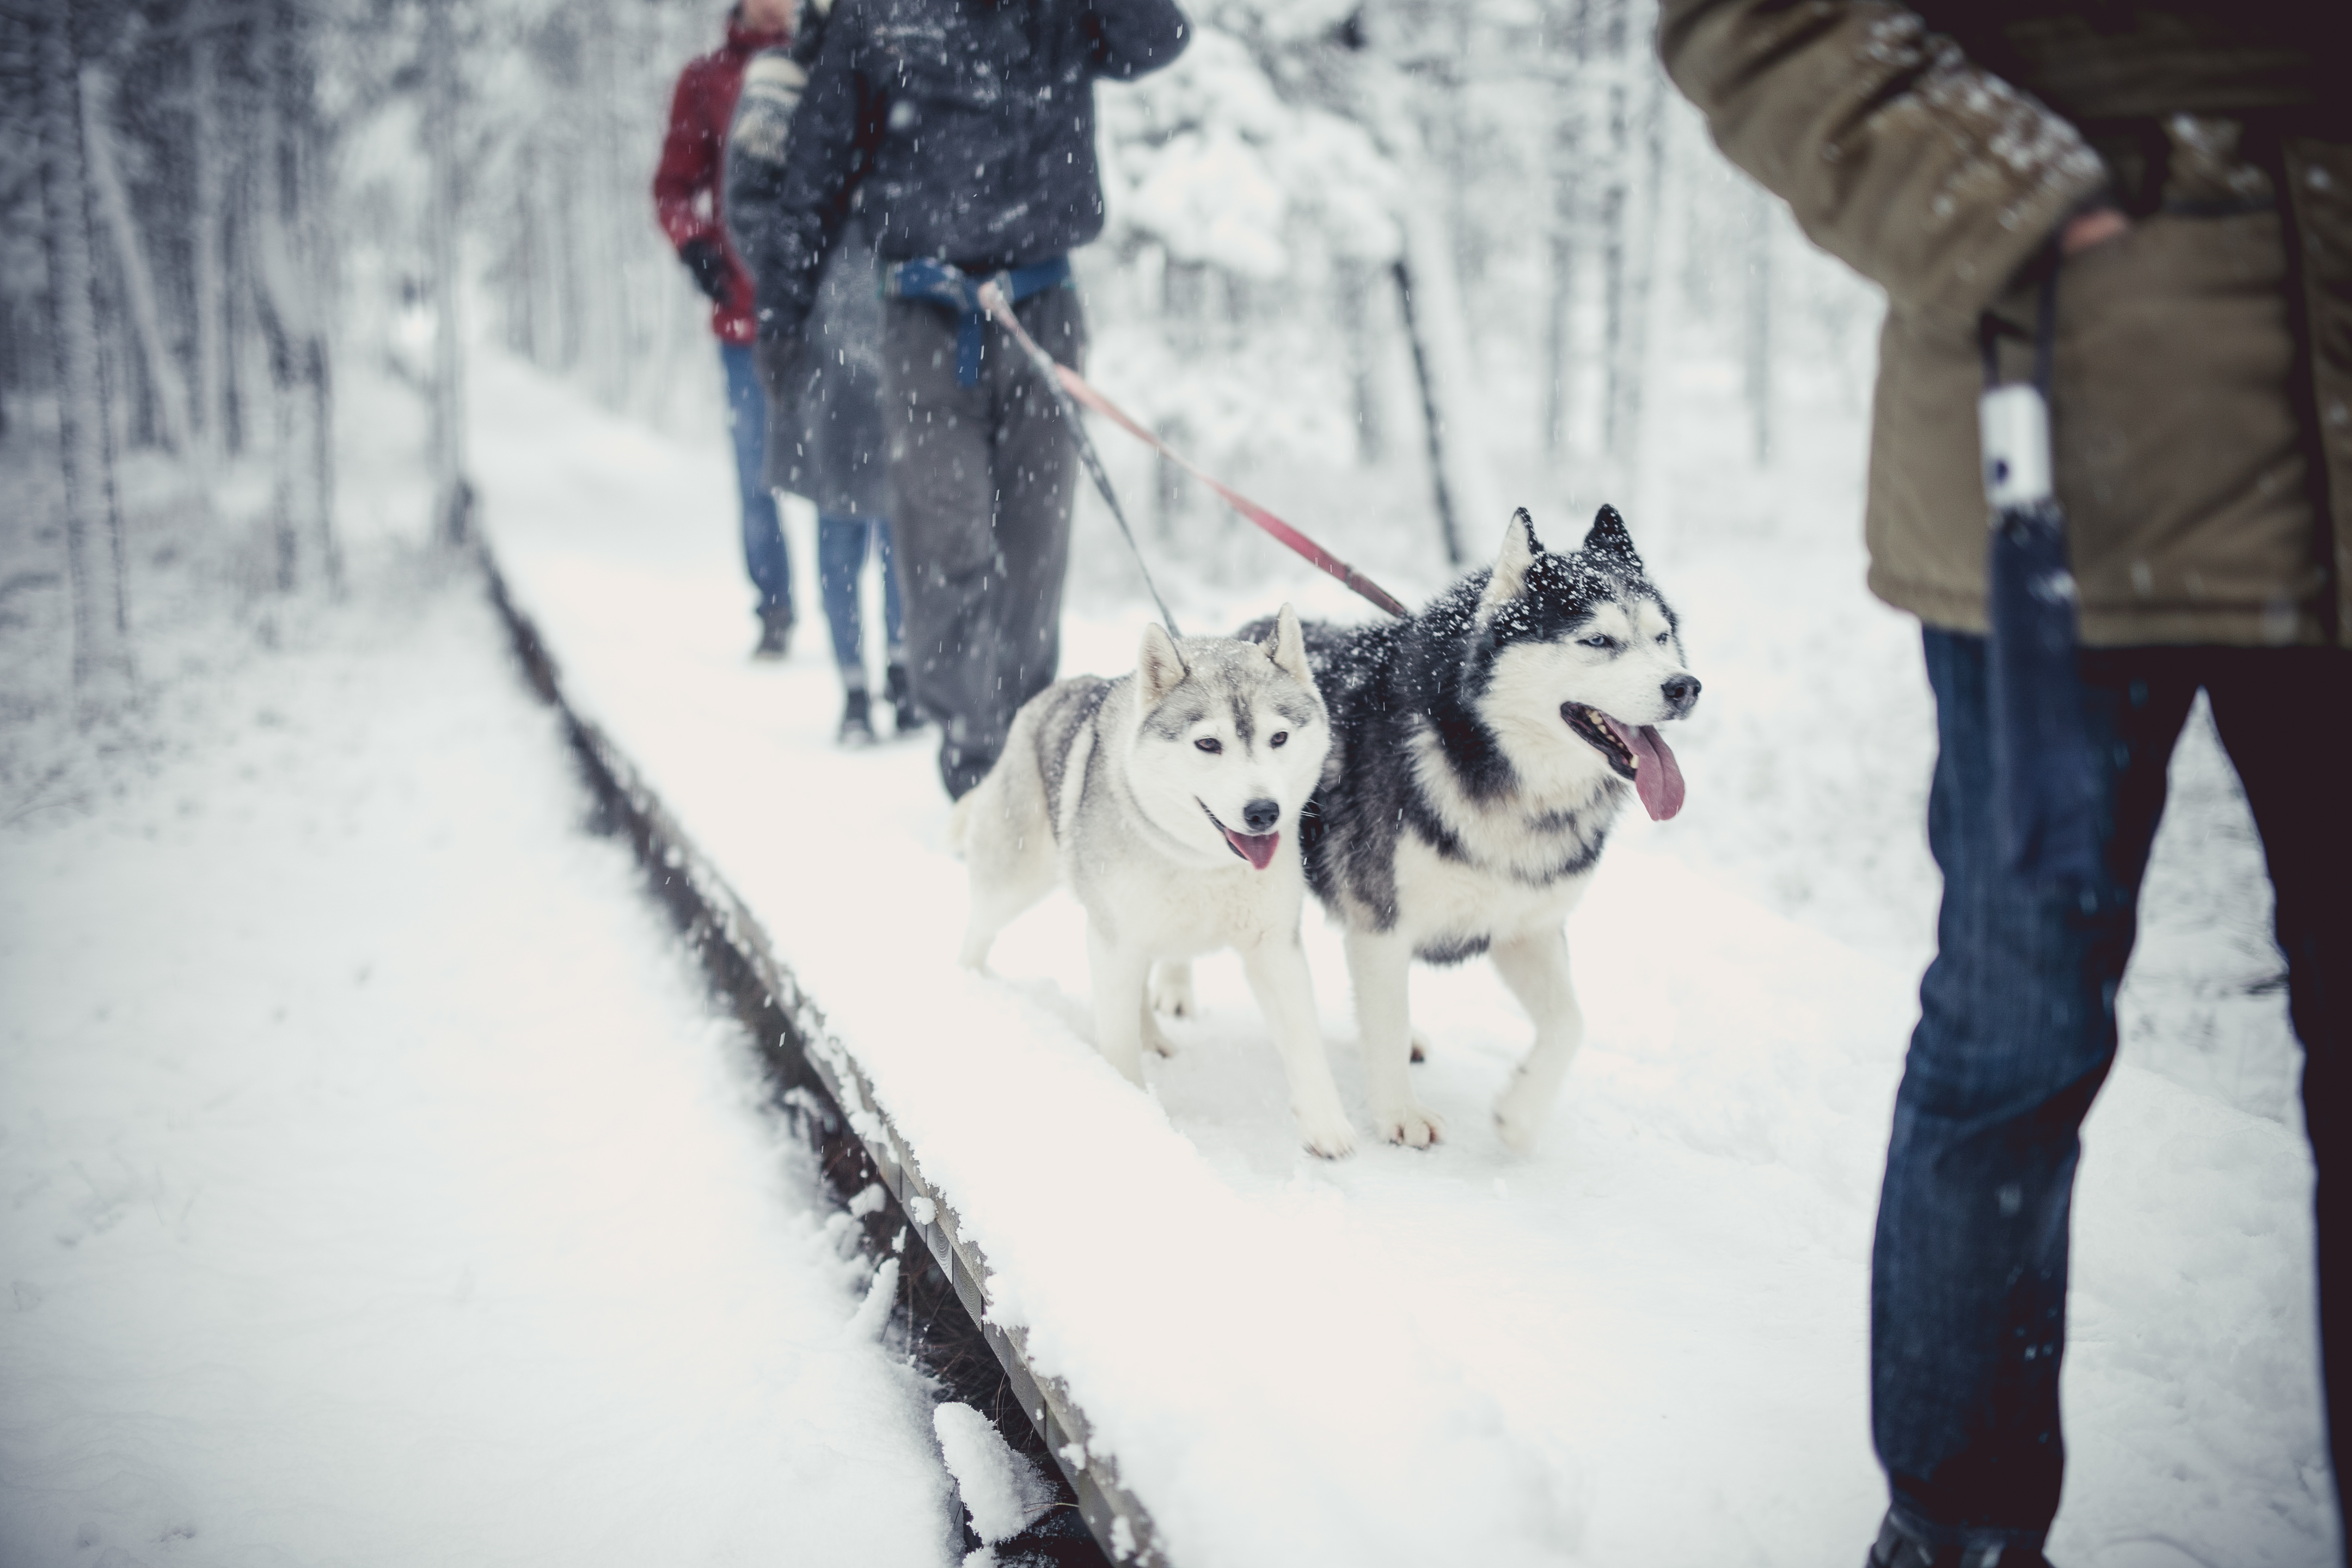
<point>1632,217</point>
<point>1433,421</point>
<point>101,657</point>
<point>302,491</point>
<point>452,502</point>
<point>291,297</point>
<point>113,203</point>
<point>1621,267</point>
<point>207,236</point>
<point>1430,292</point>
<point>1353,281</point>
<point>1568,151</point>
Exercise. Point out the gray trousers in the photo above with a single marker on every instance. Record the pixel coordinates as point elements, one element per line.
<point>983,478</point>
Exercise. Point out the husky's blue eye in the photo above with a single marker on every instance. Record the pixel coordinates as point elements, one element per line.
<point>1208,745</point>
<point>1277,737</point>
<point>1600,640</point>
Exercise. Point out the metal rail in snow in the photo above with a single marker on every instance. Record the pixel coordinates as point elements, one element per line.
<point>821,1085</point>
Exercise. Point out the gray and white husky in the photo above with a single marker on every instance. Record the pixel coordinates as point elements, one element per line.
<point>1481,752</point>
<point>1168,801</point>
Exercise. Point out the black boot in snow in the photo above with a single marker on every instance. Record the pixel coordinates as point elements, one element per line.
<point>904,715</point>
<point>960,769</point>
<point>775,632</point>
<point>1896,1548</point>
<point>856,721</point>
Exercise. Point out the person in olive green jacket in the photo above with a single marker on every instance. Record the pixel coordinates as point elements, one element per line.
<point>2186,168</point>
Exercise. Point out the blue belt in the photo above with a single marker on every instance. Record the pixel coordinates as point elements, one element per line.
<point>944,283</point>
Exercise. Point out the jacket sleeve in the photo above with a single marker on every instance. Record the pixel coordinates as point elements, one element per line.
<point>1927,174</point>
<point>689,167</point>
<point>831,142</point>
<point>1134,38</point>
<point>756,145</point>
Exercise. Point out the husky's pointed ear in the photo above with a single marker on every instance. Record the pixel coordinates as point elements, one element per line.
<point>1609,538</point>
<point>1518,552</point>
<point>1287,647</point>
<point>1159,667</point>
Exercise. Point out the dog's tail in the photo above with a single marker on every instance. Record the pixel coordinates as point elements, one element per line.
<point>960,823</point>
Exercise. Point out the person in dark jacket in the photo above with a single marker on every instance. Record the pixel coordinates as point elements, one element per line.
<point>965,129</point>
<point>688,200</point>
<point>825,438</point>
<point>2161,194</point>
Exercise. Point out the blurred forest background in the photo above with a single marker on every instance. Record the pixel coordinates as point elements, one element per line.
<point>1404,263</point>
<point>1392,266</point>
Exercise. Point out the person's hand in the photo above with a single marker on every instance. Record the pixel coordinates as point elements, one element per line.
<point>774,357</point>
<point>707,259</point>
<point>2097,226</point>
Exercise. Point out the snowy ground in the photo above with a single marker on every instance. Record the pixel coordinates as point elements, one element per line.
<point>1646,1342</point>
<point>379,1187</point>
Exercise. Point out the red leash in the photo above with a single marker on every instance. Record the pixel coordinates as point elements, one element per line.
<point>1076,386</point>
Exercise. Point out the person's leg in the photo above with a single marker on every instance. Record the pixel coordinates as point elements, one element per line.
<point>1037,467</point>
<point>2016,1034</point>
<point>2281,713</point>
<point>894,616</point>
<point>906,713</point>
<point>943,496</point>
<point>841,560</point>
<point>764,557</point>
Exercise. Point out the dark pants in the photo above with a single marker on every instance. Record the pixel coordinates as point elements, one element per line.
<point>2017,1031</point>
<point>764,529</point>
<point>843,545</point>
<point>982,483</point>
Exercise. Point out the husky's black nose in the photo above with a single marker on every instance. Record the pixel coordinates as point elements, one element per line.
<point>1260,815</point>
<point>1682,693</point>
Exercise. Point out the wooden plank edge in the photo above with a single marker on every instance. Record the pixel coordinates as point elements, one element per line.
<point>819,1082</point>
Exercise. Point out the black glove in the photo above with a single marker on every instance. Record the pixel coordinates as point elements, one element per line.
<point>707,259</point>
<point>775,357</point>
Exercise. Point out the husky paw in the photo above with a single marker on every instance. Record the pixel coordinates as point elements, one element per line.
<point>1412,1126</point>
<point>1420,1047</point>
<point>1520,1116</point>
<point>1155,1038</point>
<point>1171,991</point>
<point>1328,1136</point>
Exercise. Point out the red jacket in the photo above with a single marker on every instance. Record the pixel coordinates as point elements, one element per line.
<point>693,164</point>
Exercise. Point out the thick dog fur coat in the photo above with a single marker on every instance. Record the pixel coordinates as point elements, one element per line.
<point>1481,753</point>
<point>1168,801</point>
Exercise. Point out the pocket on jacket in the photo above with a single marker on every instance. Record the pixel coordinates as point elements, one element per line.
<point>2176,445</point>
<point>2175,442</point>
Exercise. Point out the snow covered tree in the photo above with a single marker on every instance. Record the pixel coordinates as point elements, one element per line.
<point>93,519</point>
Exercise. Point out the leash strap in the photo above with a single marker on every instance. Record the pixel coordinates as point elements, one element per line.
<point>2045,779</point>
<point>1069,384</point>
<point>936,282</point>
<point>993,299</point>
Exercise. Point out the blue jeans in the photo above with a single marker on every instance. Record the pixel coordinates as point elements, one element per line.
<point>763,530</point>
<point>2017,1031</point>
<point>841,550</point>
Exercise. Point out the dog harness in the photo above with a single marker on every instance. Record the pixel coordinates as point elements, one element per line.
<point>943,283</point>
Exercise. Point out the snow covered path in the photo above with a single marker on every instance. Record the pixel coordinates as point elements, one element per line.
<point>380,1189</point>
<point>1643,1345</point>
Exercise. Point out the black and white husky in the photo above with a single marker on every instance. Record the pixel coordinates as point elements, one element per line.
<point>1481,753</point>
<point>1168,801</point>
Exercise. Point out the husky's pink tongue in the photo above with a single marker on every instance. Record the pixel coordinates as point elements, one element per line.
<point>1257,848</point>
<point>1656,778</point>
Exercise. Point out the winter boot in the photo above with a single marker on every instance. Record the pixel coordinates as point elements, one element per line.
<point>1897,1547</point>
<point>961,767</point>
<point>904,714</point>
<point>775,632</point>
<point>856,721</point>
